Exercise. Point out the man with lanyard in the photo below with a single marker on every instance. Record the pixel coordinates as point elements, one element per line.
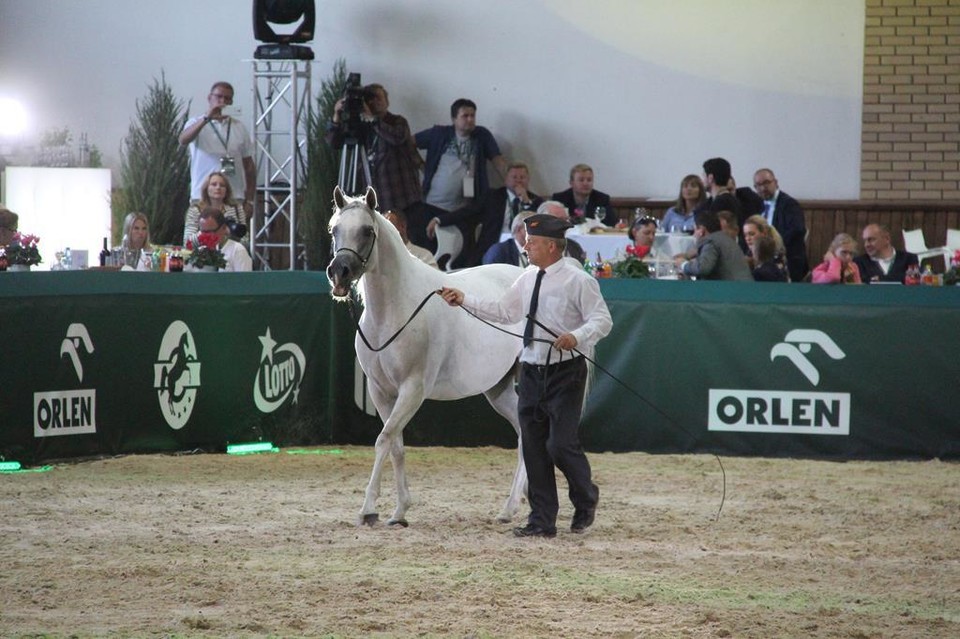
<point>220,143</point>
<point>455,170</point>
<point>564,311</point>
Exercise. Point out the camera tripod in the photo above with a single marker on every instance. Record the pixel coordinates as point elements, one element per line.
<point>353,156</point>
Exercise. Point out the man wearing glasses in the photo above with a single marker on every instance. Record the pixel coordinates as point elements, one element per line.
<point>784,214</point>
<point>221,144</point>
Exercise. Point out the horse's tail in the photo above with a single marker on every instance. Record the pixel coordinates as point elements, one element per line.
<point>591,371</point>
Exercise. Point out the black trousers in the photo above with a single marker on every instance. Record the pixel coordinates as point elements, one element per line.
<point>551,398</point>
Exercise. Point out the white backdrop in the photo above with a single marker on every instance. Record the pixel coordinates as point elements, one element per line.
<point>644,90</point>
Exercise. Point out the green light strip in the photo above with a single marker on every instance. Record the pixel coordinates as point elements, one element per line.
<point>9,466</point>
<point>39,469</point>
<point>253,447</point>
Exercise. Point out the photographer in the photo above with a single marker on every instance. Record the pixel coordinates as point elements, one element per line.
<point>390,148</point>
<point>220,143</point>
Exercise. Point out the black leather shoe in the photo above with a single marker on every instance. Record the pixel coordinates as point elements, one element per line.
<point>531,530</point>
<point>583,518</point>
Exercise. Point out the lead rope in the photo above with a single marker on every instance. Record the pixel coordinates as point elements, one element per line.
<point>351,305</point>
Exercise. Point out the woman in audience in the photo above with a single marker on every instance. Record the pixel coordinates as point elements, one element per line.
<point>757,226</point>
<point>679,217</point>
<point>767,268</point>
<point>642,232</point>
<point>217,193</point>
<point>838,266</point>
<point>136,239</point>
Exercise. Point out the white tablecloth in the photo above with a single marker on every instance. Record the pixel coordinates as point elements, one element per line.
<point>609,245</point>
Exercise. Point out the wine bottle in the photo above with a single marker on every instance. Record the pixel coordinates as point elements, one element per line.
<point>104,254</point>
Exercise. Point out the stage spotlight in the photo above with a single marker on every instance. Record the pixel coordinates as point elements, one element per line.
<point>287,12</point>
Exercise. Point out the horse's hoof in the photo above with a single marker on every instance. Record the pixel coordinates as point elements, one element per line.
<point>504,519</point>
<point>370,519</point>
<point>398,522</point>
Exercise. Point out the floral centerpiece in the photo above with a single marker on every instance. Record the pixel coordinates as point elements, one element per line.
<point>207,252</point>
<point>633,266</point>
<point>22,249</point>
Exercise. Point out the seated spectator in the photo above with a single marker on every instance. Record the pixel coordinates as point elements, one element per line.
<point>217,193</point>
<point>510,250</point>
<point>679,217</point>
<point>136,240</point>
<point>838,266</point>
<point>556,209</point>
<point>757,226</point>
<point>212,220</point>
<point>642,232</point>
<point>767,268</point>
<point>719,257</point>
<point>399,220</point>
<point>494,213</point>
<point>882,262</point>
<point>729,224</point>
<point>8,225</point>
<point>583,201</point>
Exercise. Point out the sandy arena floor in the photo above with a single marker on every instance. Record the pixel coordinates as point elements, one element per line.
<point>224,546</point>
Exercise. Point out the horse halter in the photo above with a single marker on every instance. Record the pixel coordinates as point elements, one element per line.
<point>363,260</point>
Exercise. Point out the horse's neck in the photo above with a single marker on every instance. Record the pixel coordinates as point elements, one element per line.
<point>388,285</point>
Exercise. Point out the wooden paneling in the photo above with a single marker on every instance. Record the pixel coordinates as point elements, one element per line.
<point>826,218</point>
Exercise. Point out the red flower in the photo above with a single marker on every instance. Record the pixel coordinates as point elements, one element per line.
<point>210,241</point>
<point>638,252</point>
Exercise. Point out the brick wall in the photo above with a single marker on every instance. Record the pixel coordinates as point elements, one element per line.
<point>911,100</point>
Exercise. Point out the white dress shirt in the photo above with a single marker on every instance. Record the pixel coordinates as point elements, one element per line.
<point>569,302</point>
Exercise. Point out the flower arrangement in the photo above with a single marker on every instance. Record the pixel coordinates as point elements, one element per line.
<point>633,266</point>
<point>207,252</point>
<point>22,249</point>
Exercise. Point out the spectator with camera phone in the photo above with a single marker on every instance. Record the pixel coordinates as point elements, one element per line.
<point>362,116</point>
<point>220,143</point>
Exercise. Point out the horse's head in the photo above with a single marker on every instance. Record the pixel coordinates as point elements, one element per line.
<point>354,231</point>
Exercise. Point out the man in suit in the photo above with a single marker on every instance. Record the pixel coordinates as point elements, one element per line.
<point>718,255</point>
<point>494,215</point>
<point>510,250</point>
<point>784,214</point>
<point>882,262</point>
<point>582,200</point>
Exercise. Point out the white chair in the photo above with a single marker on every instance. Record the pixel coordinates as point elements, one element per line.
<point>914,243</point>
<point>449,245</point>
<point>953,240</point>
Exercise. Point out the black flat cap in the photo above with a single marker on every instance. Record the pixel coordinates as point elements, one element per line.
<point>547,226</point>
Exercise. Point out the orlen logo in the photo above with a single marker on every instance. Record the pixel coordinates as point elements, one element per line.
<point>68,412</point>
<point>279,375</point>
<point>176,375</point>
<point>763,411</point>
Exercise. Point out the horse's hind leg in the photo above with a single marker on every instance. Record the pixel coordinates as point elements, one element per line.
<point>398,458</point>
<point>503,398</point>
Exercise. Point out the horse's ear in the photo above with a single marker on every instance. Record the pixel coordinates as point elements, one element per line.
<point>338,197</point>
<point>371,197</point>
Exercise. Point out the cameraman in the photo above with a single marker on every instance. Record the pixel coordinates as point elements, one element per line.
<point>391,151</point>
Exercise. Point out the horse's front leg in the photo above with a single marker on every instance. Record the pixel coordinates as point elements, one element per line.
<point>395,415</point>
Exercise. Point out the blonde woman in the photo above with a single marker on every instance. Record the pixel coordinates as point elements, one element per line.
<point>838,266</point>
<point>217,193</point>
<point>136,239</point>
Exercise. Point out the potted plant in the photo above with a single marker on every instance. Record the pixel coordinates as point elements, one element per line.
<point>207,255</point>
<point>22,253</point>
<point>952,276</point>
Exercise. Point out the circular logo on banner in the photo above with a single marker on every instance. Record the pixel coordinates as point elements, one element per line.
<point>176,375</point>
<point>279,375</point>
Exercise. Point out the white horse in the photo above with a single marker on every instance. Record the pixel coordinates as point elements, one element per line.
<point>443,353</point>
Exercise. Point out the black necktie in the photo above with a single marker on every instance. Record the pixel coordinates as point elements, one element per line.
<point>534,301</point>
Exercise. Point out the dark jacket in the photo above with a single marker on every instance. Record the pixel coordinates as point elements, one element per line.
<point>597,198</point>
<point>788,220</point>
<point>870,271</point>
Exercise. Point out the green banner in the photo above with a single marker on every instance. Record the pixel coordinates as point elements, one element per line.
<point>106,363</point>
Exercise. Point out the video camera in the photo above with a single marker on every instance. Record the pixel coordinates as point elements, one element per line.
<point>354,99</point>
